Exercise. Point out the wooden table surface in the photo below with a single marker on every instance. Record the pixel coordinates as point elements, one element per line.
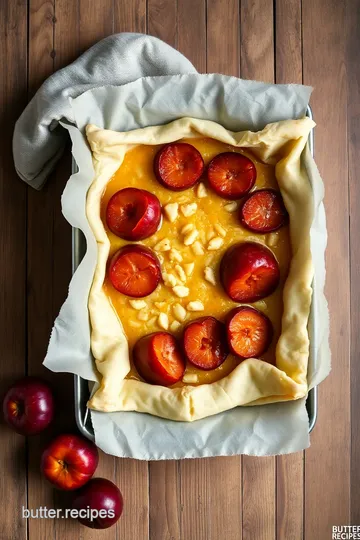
<point>287,498</point>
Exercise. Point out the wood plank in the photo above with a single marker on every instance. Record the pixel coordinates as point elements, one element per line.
<point>223,36</point>
<point>133,480</point>
<point>290,496</point>
<point>130,16</point>
<point>257,40</point>
<point>288,44</point>
<point>39,266</point>
<point>257,62</point>
<point>162,20</point>
<point>96,21</point>
<point>49,254</point>
<point>352,25</point>
<point>289,468</point>
<point>164,498</point>
<point>192,32</point>
<point>324,68</point>
<point>13,89</point>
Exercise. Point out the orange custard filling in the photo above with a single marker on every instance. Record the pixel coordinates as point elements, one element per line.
<point>213,218</point>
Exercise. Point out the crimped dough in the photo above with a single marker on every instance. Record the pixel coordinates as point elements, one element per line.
<point>252,381</point>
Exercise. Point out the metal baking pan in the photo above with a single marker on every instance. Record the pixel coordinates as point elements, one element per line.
<point>81,387</point>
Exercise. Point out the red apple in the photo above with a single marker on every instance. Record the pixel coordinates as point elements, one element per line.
<point>263,211</point>
<point>231,175</point>
<point>204,343</point>
<point>249,272</point>
<point>69,461</point>
<point>158,359</point>
<point>178,166</point>
<point>100,504</point>
<point>133,214</point>
<point>135,271</point>
<point>249,332</point>
<point>28,406</point>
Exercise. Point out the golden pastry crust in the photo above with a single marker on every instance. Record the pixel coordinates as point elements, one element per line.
<point>252,381</point>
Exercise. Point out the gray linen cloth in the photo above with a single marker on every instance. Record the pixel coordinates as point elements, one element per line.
<point>39,139</point>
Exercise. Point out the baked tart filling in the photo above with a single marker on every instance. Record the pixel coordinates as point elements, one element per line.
<point>212,251</point>
<point>202,289</point>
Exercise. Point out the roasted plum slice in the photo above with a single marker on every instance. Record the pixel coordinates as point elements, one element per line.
<point>231,175</point>
<point>178,166</point>
<point>158,359</point>
<point>133,214</point>
<point>134,270</point>
<point>249,272</point>
<point>263,211</point>
<point>249,332</point>
<point>204,343</point>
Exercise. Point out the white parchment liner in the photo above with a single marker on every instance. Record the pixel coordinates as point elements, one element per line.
<point>237,105</point>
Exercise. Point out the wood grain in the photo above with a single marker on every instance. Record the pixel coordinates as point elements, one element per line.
<point>223,37</point>
<point>164,497</point>
<point>353,117</point>
<point>13,89</point>
<point>257,40</point>
<point>130,16</point>
<point>288,43</point>
<point>162,20</point>
<point>289,468</point>
<point>327,462</point>
<point>133,481</point>
<point>192,32</point>
<point>211,498</point>
<point>49,258</point>
<point>257,62</point>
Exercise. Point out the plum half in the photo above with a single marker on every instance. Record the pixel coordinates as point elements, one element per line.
<point>249,272</point>
<point>178,166</point>
<point>133,214</point>
<point>158,359</point>
<point>134,270</point>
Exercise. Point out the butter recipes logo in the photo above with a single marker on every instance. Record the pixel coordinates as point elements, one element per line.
<point>346,532</point>
<point>63,513</point>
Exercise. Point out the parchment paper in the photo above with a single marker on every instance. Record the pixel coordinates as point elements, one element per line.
<point>237,105</point>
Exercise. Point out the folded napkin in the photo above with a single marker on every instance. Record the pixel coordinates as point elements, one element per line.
<point>39,139</point>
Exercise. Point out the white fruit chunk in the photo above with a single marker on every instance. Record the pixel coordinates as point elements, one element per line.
<point>181,291</point>
<point>137,304</point>
<point>188,209</point>
<point>195,306</point>
<point>171,211</point>
<point>215,243</point>
<point>210,275</point>
<point>179,312</point>
<point>163,321</point>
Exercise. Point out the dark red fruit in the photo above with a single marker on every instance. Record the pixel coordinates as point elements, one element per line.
<point>158,359</point>
<point>28,406</point>
<point>135,271</point>
<point>249,332</point>
<point>133,214</point>
<point>231,175</point>
<point>249,272</point>
<point>178,166</point>
<point>99,502</point>
<point>69,461</point>
<point>204,343</point>
<point>263,211</point>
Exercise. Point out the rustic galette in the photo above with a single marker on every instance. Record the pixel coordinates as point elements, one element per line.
<point>202,289</point>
